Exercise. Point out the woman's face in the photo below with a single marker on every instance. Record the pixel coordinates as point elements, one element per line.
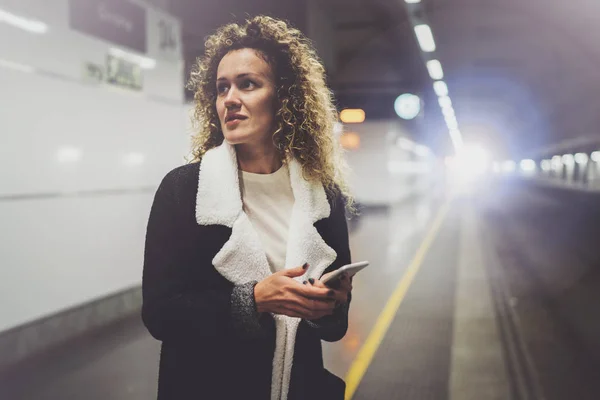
<point>246,98</point>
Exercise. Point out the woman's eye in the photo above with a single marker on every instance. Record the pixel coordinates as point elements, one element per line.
<point>221,89</point>
<point>248,85</point>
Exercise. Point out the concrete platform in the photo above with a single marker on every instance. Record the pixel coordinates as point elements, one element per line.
<point>472,323</point>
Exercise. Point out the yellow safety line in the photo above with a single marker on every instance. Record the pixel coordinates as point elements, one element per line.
<point>367,351</point>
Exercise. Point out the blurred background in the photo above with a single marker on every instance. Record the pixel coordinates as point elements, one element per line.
<point>472,131</point>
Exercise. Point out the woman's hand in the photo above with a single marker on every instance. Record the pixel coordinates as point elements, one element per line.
<point>280,294</point>
<point>341,287</point>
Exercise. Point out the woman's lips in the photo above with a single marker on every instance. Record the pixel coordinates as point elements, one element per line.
<point>234,121</point>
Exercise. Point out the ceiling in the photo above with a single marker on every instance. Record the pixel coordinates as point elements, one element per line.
<point>523,75</point>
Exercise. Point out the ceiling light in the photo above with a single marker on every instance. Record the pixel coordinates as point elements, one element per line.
<point>352,116</point>
<point>556,162</point>
<point>581,158</point>
<point>425,38</point>
<point>527,165</point>
<point>452,124</point>
<point>456,138</point>
<point>434,67</point>
<point>448,112</point>
<point>407,106</point>
<point>445,102</point>
<point>440,88</point>
<point>546,165</point>
<point>596,156</point>
<point>508,166</point>
<point>412,1</point>
<point>26,24</point>
<point>568,159</point>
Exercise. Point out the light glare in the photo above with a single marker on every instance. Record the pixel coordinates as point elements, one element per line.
<point>445,102</point>
<point>581,158</point>
<point>546,165</point>
<point>434,67</point>
<point>425,38</point>
<point>407,106</point>
<point>509,166</point>
<point>528,165</point>
<point>568,159</point>
<point>440,88</point>
<point>448,112</point>
<point>352,116</point>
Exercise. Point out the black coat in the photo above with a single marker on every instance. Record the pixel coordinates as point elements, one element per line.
<point>214,343</point>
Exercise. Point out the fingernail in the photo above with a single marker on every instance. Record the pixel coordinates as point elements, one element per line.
<point>305,266</point>
<point>312,281</point>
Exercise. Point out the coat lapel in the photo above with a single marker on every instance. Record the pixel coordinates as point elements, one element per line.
<point>242,258</point>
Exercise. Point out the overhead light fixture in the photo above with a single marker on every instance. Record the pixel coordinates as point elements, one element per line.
<point>448,112</point>
<point>568,159</point>
<point>508,166</point>
<point>556,162</point>
<point>450,118</point>
<point>29,25</point>
<point>452,124</point>
<point>407,106</point>
<point>546,165</point>
<point>456,138</point>
<point>352,116</point>
<point>425,38</point>
<point>581,158</point>
<point>434,67</point>
<point>440,88</point>
<point>143,62</point>
<point>445,102</point>
<point>595,156</point>
<point>527,165</point>
<point>412,1</point>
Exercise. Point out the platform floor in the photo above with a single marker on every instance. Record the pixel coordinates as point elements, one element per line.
<point>486,310</point>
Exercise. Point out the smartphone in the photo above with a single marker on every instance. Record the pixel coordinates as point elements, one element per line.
<point>351,269</point>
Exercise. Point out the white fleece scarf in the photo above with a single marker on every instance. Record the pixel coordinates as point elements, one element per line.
<point>242,258</point>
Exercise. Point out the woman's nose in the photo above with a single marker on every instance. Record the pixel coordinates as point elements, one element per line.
<point>232,99</point>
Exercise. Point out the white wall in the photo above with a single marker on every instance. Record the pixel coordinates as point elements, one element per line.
<point>79,164</point>
<point>387,168</point>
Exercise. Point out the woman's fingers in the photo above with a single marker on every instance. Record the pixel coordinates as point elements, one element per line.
<point>294,272</point>
<point>313,292</point>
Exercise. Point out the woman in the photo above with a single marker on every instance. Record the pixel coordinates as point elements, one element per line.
<point>237,239</point>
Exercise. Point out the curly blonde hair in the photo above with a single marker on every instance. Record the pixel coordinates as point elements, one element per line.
<point>306,116</point>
